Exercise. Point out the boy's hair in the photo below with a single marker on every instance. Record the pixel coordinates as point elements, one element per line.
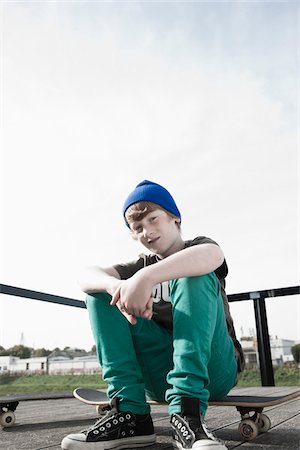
<point>139,210</point>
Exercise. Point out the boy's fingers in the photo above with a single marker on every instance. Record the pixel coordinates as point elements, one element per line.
<point>132,313</point>
<point>115,297</point>
<point>114,300</point>
<point>149,304</point>
<point>148,312</point>
<point>130,317</point>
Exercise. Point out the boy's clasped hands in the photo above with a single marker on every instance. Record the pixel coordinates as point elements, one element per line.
<point>133,297</point>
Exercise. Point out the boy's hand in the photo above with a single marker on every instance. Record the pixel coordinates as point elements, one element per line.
<point>113,289</point>
<point>133,297</point>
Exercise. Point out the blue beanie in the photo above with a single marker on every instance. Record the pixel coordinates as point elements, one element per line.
<point>147,191</point>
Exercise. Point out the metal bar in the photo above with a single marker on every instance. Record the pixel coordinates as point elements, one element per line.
<point>263,340</point>
<point>280,292</point>
<point>258,297</point>
<point>20,292</point>
<point>26,293</point>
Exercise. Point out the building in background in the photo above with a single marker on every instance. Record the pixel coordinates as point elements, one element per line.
<point>76,361</point>
<point>14,364</point>
<point>249,346</point>
<point>58,364</point>
<point>87,364</point>
<point>280,351</point>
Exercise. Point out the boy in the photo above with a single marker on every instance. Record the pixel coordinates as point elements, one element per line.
<point>162,329</point>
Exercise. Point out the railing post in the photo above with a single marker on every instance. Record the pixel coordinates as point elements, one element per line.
<point>263,341</point>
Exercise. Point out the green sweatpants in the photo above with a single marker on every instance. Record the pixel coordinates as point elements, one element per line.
<point>144,360</point>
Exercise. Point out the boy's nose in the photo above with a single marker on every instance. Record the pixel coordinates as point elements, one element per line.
<point>147,232</point>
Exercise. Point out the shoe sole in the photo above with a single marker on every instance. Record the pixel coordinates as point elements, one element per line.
<point>116,444</point>
<point>202,445</point>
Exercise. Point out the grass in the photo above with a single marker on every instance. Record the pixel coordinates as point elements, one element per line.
<point>27,384</point>
<point>284,376</point>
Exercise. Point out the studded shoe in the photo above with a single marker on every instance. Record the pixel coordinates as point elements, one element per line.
<point>116,430</point>
<point>189,429</point>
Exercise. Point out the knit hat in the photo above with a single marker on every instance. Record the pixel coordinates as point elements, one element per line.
<point>147,191</point>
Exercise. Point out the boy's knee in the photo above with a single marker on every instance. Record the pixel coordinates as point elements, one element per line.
<point>95,298</point>
<point>208,281</point>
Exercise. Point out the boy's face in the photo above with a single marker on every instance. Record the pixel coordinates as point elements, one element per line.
<point>158,232</point>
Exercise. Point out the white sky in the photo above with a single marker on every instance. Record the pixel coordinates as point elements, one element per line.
<point>97,96</point>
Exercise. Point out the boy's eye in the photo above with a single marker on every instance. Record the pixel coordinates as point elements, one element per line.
<point>153,218</point>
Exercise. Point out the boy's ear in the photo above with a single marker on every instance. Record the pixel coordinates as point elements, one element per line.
<point>178,223</point>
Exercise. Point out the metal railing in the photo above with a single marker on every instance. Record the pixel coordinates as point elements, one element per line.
<point>258,298</point>
<point>262,329</point>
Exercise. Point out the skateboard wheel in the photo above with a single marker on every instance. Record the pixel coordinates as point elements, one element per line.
<point>7,419</point>
<point>264,423</point>
<point>248,429</point>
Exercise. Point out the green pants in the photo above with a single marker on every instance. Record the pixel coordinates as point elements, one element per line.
<point>144,360</point>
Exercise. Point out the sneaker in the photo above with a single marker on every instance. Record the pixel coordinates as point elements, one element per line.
<point>189,430</point>
<point>116,430</point>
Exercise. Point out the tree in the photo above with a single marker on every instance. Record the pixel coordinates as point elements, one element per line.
<point>3,352</point>
<point>296,353</point>
<point>40,352</point>
<point>20,350</point>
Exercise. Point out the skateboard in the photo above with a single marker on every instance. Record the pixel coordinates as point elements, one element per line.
<point>253,421</point>
<point>9,404</point>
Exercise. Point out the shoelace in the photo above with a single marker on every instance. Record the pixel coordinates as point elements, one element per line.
<point>209,433</point>
<point>194,425</point>
<point>102,419</point>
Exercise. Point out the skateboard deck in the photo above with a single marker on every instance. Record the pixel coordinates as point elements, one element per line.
<point>9,404</point>
<point>253,421</point>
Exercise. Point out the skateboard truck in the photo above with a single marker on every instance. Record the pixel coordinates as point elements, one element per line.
<point>9,404</point>
<point>7,415</point>
<point>102,410</point>
<point>251,426</point>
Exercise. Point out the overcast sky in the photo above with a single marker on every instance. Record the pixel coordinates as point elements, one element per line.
<point>97,96</point>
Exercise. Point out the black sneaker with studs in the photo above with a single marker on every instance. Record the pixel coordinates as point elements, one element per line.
<point>116,430</point>
<point>189,430</point>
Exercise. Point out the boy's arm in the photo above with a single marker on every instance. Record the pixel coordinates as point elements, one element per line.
<point>97,279</point>
<point>189,262</point>
<point>135,294</point>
